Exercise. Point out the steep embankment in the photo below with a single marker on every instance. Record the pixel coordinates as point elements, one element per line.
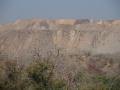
<point>72,44</point>
<point>43,37</point>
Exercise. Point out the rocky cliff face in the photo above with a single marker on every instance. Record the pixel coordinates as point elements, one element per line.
<point>72,43</point>
<point>28,37</point>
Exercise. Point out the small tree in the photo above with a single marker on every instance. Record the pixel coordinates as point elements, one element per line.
<point>42,76</point>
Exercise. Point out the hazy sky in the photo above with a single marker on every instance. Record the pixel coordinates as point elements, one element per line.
<point>11,10</point>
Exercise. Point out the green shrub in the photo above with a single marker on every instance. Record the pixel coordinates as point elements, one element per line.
<point>42,76</point>
<point>11,76</point>
<point>37,76</point>
<point>96,82</point>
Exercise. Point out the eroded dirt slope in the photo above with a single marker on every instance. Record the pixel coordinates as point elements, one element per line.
<point>68,36</point>
<point>65,39</point>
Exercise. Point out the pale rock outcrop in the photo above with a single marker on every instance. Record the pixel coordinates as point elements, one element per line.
<point>66,22</point>
<point>66,40</point>
<point>116,22</point>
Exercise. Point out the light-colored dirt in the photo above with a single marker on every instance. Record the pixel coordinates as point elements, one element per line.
<point>25,36</point>
<point>28,39</point>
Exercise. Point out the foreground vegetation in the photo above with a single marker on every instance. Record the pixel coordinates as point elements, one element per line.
<point>40,75</point>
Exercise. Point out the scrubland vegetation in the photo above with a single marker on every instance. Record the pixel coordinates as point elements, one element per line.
<point>41,75</point>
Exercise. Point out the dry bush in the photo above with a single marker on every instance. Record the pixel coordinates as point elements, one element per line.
<point>40,75</point>
<point>12,76</point>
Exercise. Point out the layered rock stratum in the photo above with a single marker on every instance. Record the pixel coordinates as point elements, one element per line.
<point>27,39</point>
<point>67,36</point>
